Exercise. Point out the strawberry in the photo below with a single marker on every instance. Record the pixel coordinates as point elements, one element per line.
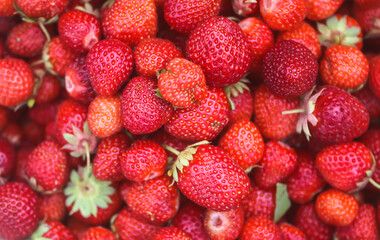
<point>26,40</point>
<point>109,64</point>
<point>305,181</point>
<point>98,233</point>
<point>131,21</point>
<point>33,132</point>
<point>243,143</point>
<point>289,69</point>
<point>220,47</point>
<point>47,168</point>
<point>210,178</point>
<point>48,90</point>
<point>7,8</point>
<point>284,15</point>
<point>367,16</point>
<point>170,233</point>
<point>153,54</point>
<point>144,160</point>
<point>7,160</point>
<point>78,82</point>
<point>182,83</point>
<point>278,161</point>
<point>104,115</point>
<point>304,34</point>
<point>374,79</point>
<point>13,133</point>
<point>128,225</point>
<point>245,8</point>
<point>19,211</point>
<point>108,157</point>
<point>77,227</point>
<point>224,225</point>
<point>269,119</point>
<point>258,227</point>
<point>364,225</point>
<point>336,207</point>
<point>202,122</point>
<point>371,139</point>
<point>142,111</point>
<point>79,30</point>
<point>44,113</point>
<point>289,232</point>
<point>185,15</point>
<point>42,9</point>
<point>53,230</point>
<point>369,100</point>
<point>52,207</point>
<point>337,67</point>
<point>321,9</point>
<point>16,82</point>
<point>260,202</point>
<point>155,199</point>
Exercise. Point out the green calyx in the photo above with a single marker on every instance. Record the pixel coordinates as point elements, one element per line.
<point>86,194</point>
<point>41,230</point>
<point>236,89</point>
<point>282,201</point>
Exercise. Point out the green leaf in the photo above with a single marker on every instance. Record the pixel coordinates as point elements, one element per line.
<point>282,201</point>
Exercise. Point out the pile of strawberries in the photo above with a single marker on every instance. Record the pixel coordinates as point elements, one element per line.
<point>189,119</point>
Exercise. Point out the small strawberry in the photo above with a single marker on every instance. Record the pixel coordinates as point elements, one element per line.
<point>322,9</point>
<point>19,211</point>
<point>224,225</point>
<point>185,15</point>
<point>7,160</point>
<point>258,227</point>
<point>374,79</point>
<point>109,64</point>
<point>52,230</point>
<point>142,111</point>
<point>220,47</point>
<point>245,8</point>
<point>170,233</point>
<point>336,208</point>
<point>52,207</point>
<point>98,233</point>
<point>260,202</point>
<point>13,133</point>
<point>48,90</point>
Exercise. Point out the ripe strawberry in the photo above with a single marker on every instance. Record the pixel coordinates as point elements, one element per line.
<point>182,83</point>
<point>77,227</point>
<point>79,30</point>
<point>374,79</point>
<point>128,225</point>
<point>259,227</point>
<point>53,230</point>
<point>142,111</point>
<point>16,82</point>
<point>243,143</point>
<point>98,233</point>
<point>202,122</point>
<point>170,233</point>
<point>245,8</point>
<point>78,82</point>
<point>44,113</point>
<point>369,100</point>
<point>13,133</point>
<point>224,225</point>
<point>19,211</point>
<point>305,181</point>
<point>41,8</point>
<point>7,160</point>
<point>336,208</point>
<point>284,15</point>
<point>289,232</point>
<point>7,9</point>
<point>220,47</point>
<point>269,119</point>
<point>26,40</point>
<point>289,69</point>
<point>321,9</point>
<point>131,21</point>
<point>153,54</point>
<point>52,207</point>
<point>145,160</point>
<point>210,178</point>
<point>108,157</point>
<point>278,161</point>
<point>260,202</point>
<point>304,34</point>
<point>155,199</point>
<point>371,139</point>
<point>364,225</point>
<point>109,65</point>
<point>185,15</point>
<point>367,16</point>
<point>48,90</point>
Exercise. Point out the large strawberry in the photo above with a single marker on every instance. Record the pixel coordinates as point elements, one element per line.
<point>224,225</point>
<point>7,160</point>
<point>258,227</point>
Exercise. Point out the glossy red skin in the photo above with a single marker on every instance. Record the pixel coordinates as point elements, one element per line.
<point>58,231</point>
<point>59,56</point>
<point>98,233</point>
<point>289,232</point>
<point>258,227</point>
<point>7,8</point>
<point>371,139</point>
<point>19,207</point>
<point>170,233</point>
<point>220,67</point>
<point>53,207</point>
<point>260,202</point>
<point>369,99</point>
<point>322,9</point>
<point>13,133</point>
<point>224,225</point>
<point>243,107</point>
<point>49,89</point>
<point>374,75</point>
<point>7,160</point>
<point>41,8</point>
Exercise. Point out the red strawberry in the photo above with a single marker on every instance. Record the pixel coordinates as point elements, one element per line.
<point>289,69</point>
<point>142,110</point>
<point>369,100</point>
<point>210,178</point>
<point>7,9</point>
<point>185,15</point>
<point>19,211</point>
<point>79,30</point>
<point>98,233</point>
<point>109,65</point>
<point>260,202</point>
<point>259,227</point>
<point>202,122</point>
<point>53,230</point>
<point>155,199</point>
<point>367,16</point>
<point>48,90</point>
<point>170,233</point>
<point>321,9</point>
<point>143,161</point>
<point>336,208</point>
<point>77,227</point>
<point>16,82</point>
<point>45,113</point>
<point>245,8</point>
<point>131,21</point>
<point>371,140</point>
<point>289,232</point>
<point>153,54</point>
<point>182,83</point>
<point>374,79</point>
<point>7,160</point>
<point>108,157</point>
<point>220,47</point>
<point>41,8</point>
<point>224,225</point>
<point>53,207</point>
<point>26,40</point>
<point>47,168</point>
<point>284,15</point>
<point>13,133</point>
<point>268,110</point>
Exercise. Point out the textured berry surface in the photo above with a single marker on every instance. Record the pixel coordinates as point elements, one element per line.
<point>260,228</point>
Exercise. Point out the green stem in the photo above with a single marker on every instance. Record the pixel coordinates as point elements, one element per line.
<point>87,147</point>
<point>171,149</point>
<point>374,183</point>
